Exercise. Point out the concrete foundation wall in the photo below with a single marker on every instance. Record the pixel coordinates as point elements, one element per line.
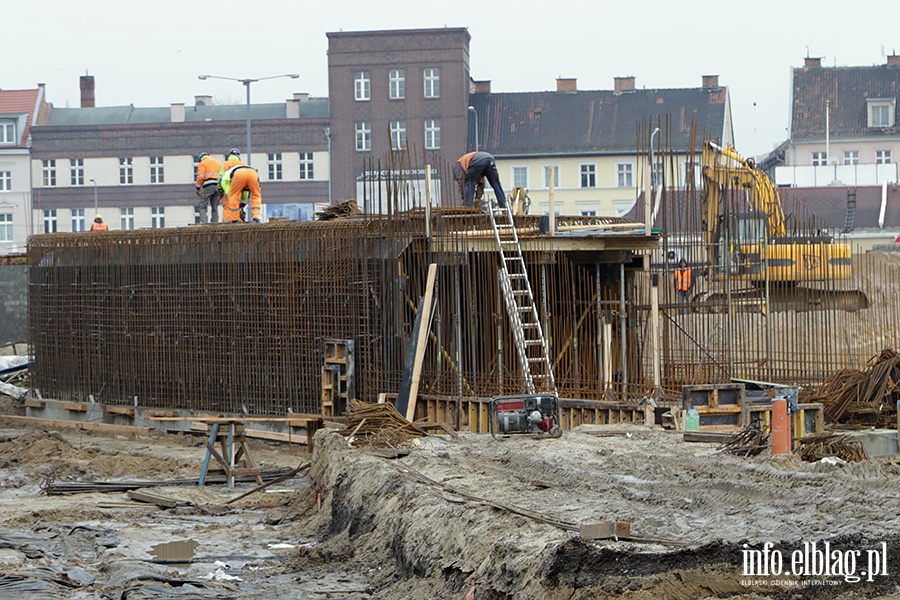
<point>14,305</point>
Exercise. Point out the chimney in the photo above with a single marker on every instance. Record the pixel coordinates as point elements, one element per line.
<point>292,108</point>
<point>893,59</point>
<point>301,96</point>
<point>812,61</point>
<point>202,100</point>
<point>566,84</point>
<point>177,112</point>
<point>87,91</point>
<point>710,81</point>
<point>623,84</point>
<point>483,87</point>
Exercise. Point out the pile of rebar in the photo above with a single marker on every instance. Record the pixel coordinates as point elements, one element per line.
<point>818,447</point>
<point>64,488</point>
<point>379,426</point>
<point>348,208</point>
<point>750,441</point>
<point>866,397</point>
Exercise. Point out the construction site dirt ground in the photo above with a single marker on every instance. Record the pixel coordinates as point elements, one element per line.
<point>500,513</point>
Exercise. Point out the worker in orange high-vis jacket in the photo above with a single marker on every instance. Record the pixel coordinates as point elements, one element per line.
<point>472,169</point>
<point>207,185</point>
<point>240,182</point>
<point>684,282</point>
<point>98,224</point>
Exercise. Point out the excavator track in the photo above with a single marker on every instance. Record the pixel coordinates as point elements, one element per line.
<point>798,299</point>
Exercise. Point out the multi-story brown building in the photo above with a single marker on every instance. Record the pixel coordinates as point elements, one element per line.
<point>391,90</point>
<point>136,166</point>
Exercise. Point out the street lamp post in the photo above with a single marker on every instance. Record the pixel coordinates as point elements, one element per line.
<point>96,210</point>
<point>247,83</point>
<point>474,112</point>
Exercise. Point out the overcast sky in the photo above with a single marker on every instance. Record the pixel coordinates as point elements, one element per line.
<point>150,54</point>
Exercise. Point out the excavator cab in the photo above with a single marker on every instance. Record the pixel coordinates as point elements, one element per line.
<point>739,238</point>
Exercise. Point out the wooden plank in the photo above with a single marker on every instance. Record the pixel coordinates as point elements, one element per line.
<point>161,501</point>
<point>161,413</point>
<point>419,356</point>
<point>711,437</point>
<point>75,406</point>
<point>119,410</point>
<point>35,403</point>
<point>80,425</point>
<point>605,530</point>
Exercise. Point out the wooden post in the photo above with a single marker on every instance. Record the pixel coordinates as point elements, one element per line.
<point>552,176</point>
<point>425,325</point>
<point>654,327</point>
<point>428,202</point>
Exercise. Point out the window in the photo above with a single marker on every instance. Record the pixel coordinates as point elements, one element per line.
<point>851,157</point>
<point>76,172</point>
<point>275,171</point>
<point>126,172</point>
<point>362,85</point>
<point>77,219</point>
<point>432,79</point>
<point>624,175</point>
<point>432,134</point>
<point>882,157</point>
<point>819,159</point>
<point>588,208</point>
<point>398,135</point>
<point>49,172</point>
<point>657,175</point>
<point>126,218</point>
<point>7,132</point>
<point>157,175</point>
<point>306,165</point>
<point>881,112</point>
<point>157,217</point>
<point>588,176</point>
<point>50,221</point>
<point>363,136</point>
<point>5,181</point>
<point>397,80</point>
<point>520,177</point>
<point>6,234</point>
<point>555,176</point>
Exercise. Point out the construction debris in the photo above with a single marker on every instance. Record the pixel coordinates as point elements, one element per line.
<point>379,426</point>
<point>844,447</point>
<point>55,488</point>
<point>749,442</point>
<point>347,208</point>
<point>866,397</point>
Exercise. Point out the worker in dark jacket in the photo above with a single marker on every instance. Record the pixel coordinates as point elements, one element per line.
<point>473,168</point>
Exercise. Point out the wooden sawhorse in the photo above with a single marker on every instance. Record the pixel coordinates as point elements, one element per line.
<point>234,448</point>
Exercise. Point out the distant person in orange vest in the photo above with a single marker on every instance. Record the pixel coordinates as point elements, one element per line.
<point>684,282</point>
<point>207,185</point>
<point>472,169</point>
<point>241,183</point>
<point>98,224</point>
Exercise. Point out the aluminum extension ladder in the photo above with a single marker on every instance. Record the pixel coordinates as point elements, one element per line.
<point>531,345</point>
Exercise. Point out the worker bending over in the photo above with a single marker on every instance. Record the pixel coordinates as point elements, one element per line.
<point>473,168</point>
<point>207,185</point>
<point>241,183</point>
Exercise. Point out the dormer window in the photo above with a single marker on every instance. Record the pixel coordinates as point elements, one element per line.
<point>7,132</point>
<point>881,112</point>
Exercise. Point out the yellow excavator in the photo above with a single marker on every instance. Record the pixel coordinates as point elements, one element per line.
<point>753,262</point>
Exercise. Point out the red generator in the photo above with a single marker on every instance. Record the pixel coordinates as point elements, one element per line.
<point>524,414</point>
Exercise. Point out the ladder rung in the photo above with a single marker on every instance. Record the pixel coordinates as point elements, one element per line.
<point>530,325</point>
<point>534,342</point>
<point>517,275</point>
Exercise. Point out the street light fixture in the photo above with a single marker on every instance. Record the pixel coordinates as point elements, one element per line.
<point>247,83</point>
<point>94,181</point>
<point>474,112</point>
